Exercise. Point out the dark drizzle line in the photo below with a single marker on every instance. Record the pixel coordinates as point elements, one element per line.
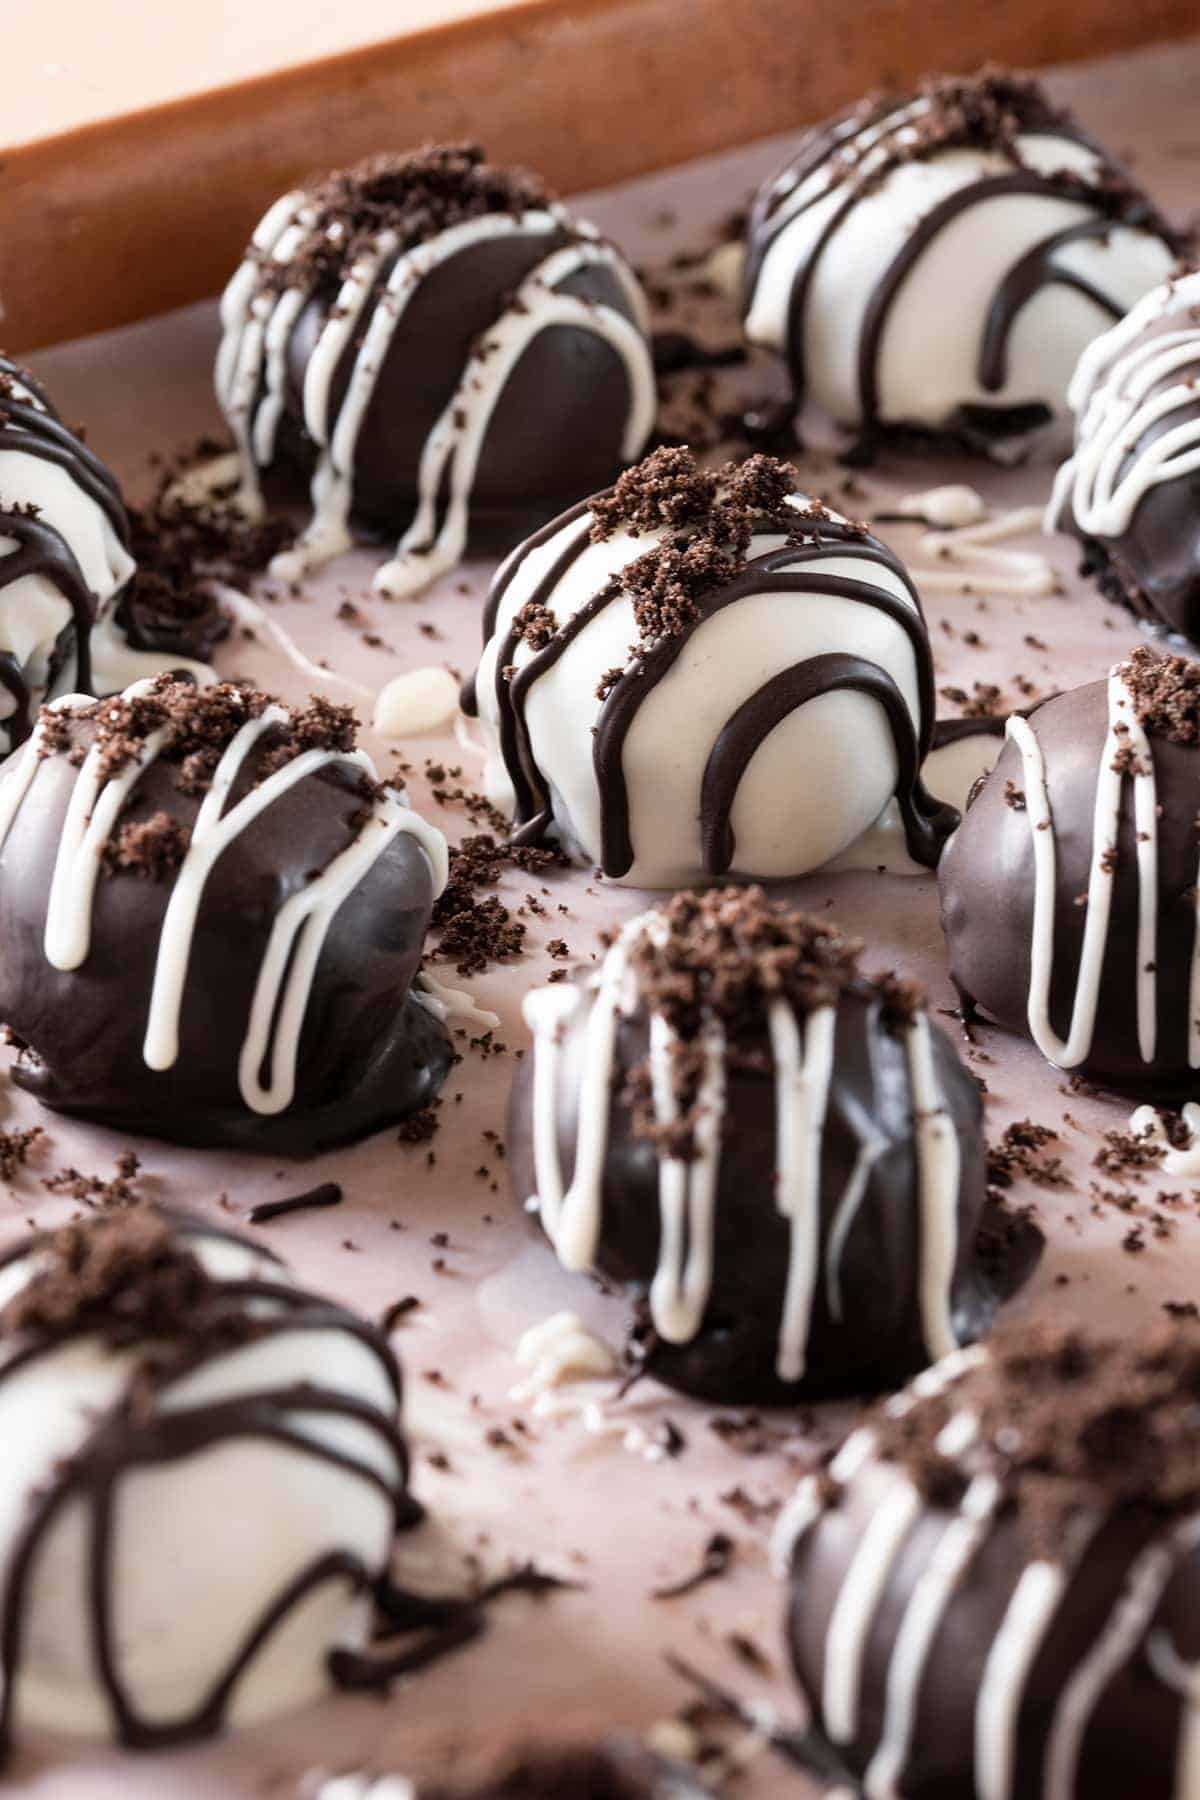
<point>122,1441</point>
<point>450,1620</point>
<point>41,550</point>
<point>925,820</point>
<point>1024,280</point>
<point>328,1193</point>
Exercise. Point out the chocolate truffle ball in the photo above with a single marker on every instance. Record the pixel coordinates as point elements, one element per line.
<point>203,1475</point>
<point>212,915</point>
<point>702,672</point>
<point>64,553</point>
<point>439,348</point>
<point>995,1585</point>
<point>76,610</point>
<point>1131,491</point>
<point>932,264</point>
<point>1069,892</point>
<point>783,1158</point>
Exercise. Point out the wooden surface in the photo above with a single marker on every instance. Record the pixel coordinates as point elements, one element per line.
<point>145,139</point>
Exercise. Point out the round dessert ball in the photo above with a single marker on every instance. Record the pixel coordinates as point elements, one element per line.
<point>203,1476</point>
<point>995,1584</point>
<point>439,349</point>
<point>212,914</point>
<point>1069,892</point>
<point>932,264</point>
<point>703,672</point>
<point>64,553</point>
<point>1131,491</point>
<point>782,1158</point>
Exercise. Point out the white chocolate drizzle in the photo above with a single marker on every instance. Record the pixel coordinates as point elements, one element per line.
<point>1125,738</point>
<point>967,557</point>
<point>1128,380</point>
<point>252,365</point>
<point>268,1059</point>
<point>1039,1590</point>
<point>803,1054</point>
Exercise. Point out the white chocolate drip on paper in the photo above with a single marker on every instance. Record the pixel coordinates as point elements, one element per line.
<point>803,1055</point>
<point>251,375</point>
<point>967,557</point>
<point>1146,1123</point>
<point>280,1001</point>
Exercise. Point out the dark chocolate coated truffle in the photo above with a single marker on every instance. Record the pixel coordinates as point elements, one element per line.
<point>933,263</point>
<point>212,915</point>
<point>783,1158</point>
<point>1131,490</point>
<point>1069,891</point>
<point>995,1584</point>
<point>437,346</point>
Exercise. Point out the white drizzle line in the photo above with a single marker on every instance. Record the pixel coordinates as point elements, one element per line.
<point>855,1608</point>
<point>803,1061</point>
<point>1146,1123</point>
<point>455,443</point>
<point>687,1190</point>
<point>934,1590</point>
<point>286,976</point>
<point>1019,1637</point>
<point>807,1503</point>
<point>1184,1679</point>
<point>1128,1621</point>
<point>248,612</point>
<point>1112,393</point>
<point>871,1147</point>
<point>938,1169</point>
<point>967,556</point>
<point>1124,733</point>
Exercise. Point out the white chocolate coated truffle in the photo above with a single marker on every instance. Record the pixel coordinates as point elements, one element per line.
<point>187,1558</point>
<point>761,736</point>
<point>939,262</point>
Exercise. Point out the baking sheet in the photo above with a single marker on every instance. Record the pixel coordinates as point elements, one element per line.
<point>583,1505</point>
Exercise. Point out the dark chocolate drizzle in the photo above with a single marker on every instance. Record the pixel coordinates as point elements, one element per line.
<point>126,1439</point>
<point>1114,201</point>
<point>758,716</point>
<point>927,822</point>
<point>327,1193</point>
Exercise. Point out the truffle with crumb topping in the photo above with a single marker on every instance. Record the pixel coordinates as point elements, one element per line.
<point>1074,916</point>
<point>781,1157</point>
<point>704,672</point>
<point>213,915</point>
<point>203,1476</point>
<point>931,264</point>
<point>439,350</point>
<point>995,1581</point>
